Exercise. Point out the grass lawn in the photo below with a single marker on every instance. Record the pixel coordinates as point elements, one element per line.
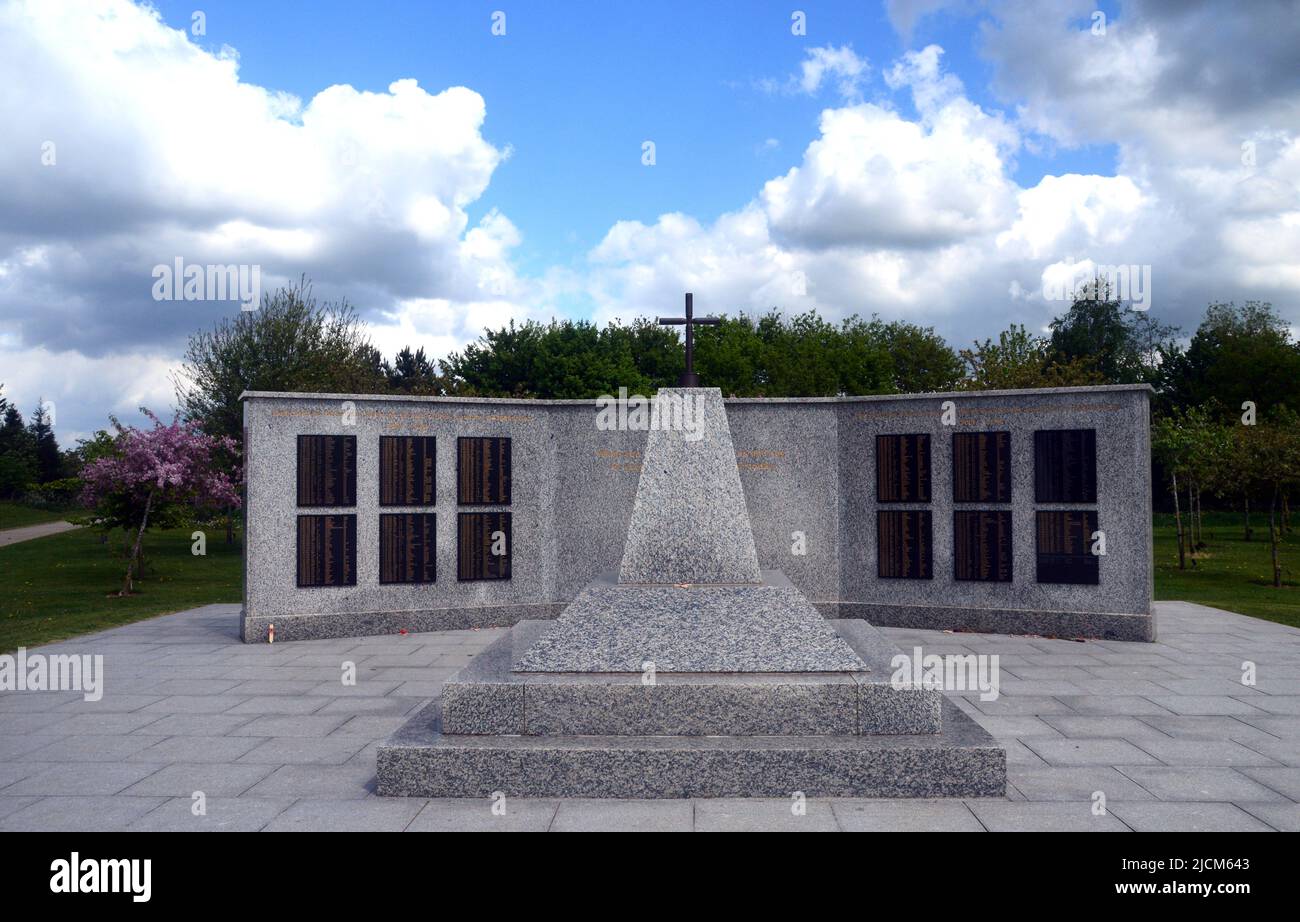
<point>1230,573</point>
<point>64,585</point>
<point>13,515</point>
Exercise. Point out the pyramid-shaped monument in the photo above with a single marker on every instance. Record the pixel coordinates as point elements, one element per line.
<point>690,672</point>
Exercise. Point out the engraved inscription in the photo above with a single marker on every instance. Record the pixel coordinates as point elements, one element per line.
<point>1065,466</point>
<point>1065,547</point>
<point>484,546</point>
<point>904,546</point>
<point>327,550</point>
<point>903,468</point>
<point>407,470</point>
<point>981,467</point>
<point>408,547</point>
<point>982,545</point>
<point>483,471</point>
<point>327,470</point>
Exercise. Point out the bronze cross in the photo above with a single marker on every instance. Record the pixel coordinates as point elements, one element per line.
<point>689,378</point>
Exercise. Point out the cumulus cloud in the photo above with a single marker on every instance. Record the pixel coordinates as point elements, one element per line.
<point>132,146</point>
<point>920,217</point>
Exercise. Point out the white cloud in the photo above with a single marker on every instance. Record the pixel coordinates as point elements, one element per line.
<point>161,150</point>
<point>921,217</point>
<point>831,63</point>
<point>874,178</point>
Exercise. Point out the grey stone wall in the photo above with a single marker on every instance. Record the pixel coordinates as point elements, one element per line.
<point>806,465</point>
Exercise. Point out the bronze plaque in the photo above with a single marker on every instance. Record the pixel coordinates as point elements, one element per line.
<point>904,545</point>
<point>408,547</point>
<point>327,470</point>
<point>982,545</point>
<point>1065,547</point>
<point>484,546</point>
<point>327,550</point>
<point>483,471</point>
<point>1065,466</point>
<point>407,470</point>
<point>981,467</point>
<point>903,468</point>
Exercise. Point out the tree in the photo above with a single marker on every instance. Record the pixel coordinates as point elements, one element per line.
<point>413,373</point>
<point>1272,459</point>
<point>17,453</point>
<point>44,445</point>
<point>923,362</point>
<point>290,343</point>
<point>169,472</point>
<point>1019,359</point>
<point>1119,344</point>
<point>1171,444</point>
<point>1237,354</point>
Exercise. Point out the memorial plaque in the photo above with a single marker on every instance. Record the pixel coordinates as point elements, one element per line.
<point>327,470</point>
<point>327,550</point>
<point>484,546</point>
<point>981,467</point>
<point>1065,547</point>
<point>904,546</point>
<point>407,470</point>
<point>408,547</point>
<point>903,468</point>
<point>982,545</point>
<point>1065,466</point>
<point>483,471</point>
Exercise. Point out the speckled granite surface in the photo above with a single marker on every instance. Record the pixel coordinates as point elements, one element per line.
<point>487,698</point>
<point>689,521</point>
<point>764,628</point>
<point>961,761</point>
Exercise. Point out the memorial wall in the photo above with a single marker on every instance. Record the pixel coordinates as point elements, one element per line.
<point>1015,512</point>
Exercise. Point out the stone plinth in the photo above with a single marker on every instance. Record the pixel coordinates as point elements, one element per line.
<point>689,521</point>
<point>769,627</point>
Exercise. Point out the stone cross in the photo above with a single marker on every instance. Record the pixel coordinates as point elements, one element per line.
<point>689,378</point>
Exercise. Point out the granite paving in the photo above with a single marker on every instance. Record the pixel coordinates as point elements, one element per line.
<point>1205,754</point>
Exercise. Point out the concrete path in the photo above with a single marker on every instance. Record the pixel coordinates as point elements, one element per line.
<point>10,536</point>
<point>269,738</point>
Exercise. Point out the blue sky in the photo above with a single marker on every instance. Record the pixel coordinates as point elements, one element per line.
<point>953,163</point>
<point>574,92</point>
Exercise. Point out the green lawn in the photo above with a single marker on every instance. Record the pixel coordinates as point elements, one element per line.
<point>1230,573</point>
<point>63,585</point>
<point>13,515</point>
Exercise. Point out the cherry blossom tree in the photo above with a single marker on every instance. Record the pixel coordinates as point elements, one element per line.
<point>165,475</point>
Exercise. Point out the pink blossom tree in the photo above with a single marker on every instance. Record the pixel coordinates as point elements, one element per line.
<point>166,473</point>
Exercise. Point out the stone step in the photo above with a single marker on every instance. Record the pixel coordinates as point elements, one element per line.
<point>487,698</point>
<point>961,761</point>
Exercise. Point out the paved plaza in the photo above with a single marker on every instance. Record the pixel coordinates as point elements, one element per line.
<point>1166,732</point>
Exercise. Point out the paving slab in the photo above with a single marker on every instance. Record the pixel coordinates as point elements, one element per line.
<point>764,815</point>
<point>62,813</point>
<point>372,814</point>
<point>220,814</point>
<point>513,814</point>
<point>46,739</point>
<point>1044,817</point>
<point>1195,817</point>
<point>1199,783</point>
<point>624,815</point>
<point>905,816</point>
